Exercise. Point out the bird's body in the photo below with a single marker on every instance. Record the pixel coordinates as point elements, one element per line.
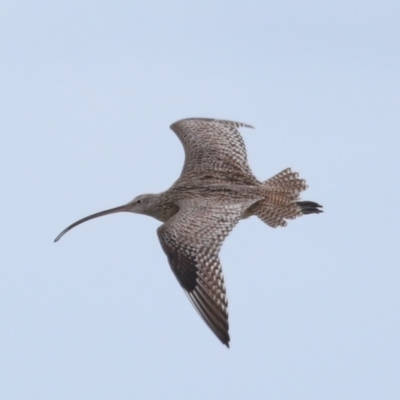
<point>215,190</point>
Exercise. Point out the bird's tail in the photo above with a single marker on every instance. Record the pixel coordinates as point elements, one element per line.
<point>281,200</point>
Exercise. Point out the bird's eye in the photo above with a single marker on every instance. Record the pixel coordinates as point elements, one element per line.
<point>139,201</point>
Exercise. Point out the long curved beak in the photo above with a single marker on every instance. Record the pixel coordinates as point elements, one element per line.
<point>99,214</point>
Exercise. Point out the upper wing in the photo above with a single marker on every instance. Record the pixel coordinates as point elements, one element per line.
<point>191,239</point>
<point>213,145</point>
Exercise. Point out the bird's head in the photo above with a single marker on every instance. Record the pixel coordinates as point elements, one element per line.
<point>142,204</point>
<point>147,204</point>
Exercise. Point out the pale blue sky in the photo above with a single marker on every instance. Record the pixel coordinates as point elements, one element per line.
<point>87,93</point>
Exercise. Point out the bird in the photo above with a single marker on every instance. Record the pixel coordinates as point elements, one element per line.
<point>215,190</point>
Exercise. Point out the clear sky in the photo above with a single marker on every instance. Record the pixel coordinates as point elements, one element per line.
<point>88,90</point>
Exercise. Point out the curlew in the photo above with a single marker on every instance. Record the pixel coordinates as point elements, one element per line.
<point>215,190</point>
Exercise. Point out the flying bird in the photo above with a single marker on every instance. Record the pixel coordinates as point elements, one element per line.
<point>216,189</point>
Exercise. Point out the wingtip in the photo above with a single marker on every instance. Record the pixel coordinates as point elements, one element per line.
<point>238,124</point>
<point>225,339</point>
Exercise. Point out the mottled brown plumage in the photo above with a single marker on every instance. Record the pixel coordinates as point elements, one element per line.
<point>215,190</point>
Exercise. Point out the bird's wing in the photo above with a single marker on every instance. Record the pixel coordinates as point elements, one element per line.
<point>191,239</point>
<point>213,145</point>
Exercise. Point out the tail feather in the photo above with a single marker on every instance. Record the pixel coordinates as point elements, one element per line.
<point>309,207</point>
<point>287,184</point>
<point>282,193</point>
